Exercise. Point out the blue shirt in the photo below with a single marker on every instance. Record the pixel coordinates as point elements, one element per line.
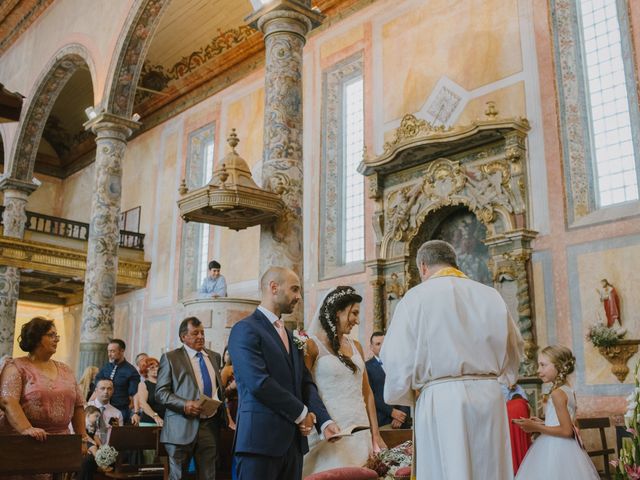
<point>125,382</point>
<point>213,286</point>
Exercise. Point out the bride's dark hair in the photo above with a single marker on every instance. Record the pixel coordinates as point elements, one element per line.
<point>338,299</point>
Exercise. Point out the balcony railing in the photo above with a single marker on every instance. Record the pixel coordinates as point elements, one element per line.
<point>62,227</point>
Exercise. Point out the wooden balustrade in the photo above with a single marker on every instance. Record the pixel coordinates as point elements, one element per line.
<point>62,227</point>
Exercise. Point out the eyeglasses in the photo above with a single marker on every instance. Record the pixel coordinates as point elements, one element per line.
<point>53,335</point>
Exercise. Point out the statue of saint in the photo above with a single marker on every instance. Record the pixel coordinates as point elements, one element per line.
<point>611,303</point>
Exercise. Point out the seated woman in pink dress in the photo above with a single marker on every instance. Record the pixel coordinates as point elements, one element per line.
<point>40,395</point>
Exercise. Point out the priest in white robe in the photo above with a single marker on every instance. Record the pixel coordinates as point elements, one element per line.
<point>450,341</point>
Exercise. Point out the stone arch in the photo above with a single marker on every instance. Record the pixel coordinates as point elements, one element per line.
<point>41,101</point>
<point>131,51</point>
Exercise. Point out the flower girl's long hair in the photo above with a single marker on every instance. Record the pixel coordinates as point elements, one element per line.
<point>565,363</point>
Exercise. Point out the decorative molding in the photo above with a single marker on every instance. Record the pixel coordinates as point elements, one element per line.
<point>18,16</point>
<point>618,355</point>
<point>333,80</point>
<point>425,174</point>
<point>159,78</point>
<point>55,76</point>
<point>578,157</point>
<point>132,49</point>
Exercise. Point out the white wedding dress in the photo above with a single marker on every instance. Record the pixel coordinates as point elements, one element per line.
<point>341,392</point>
<point>558,458</point>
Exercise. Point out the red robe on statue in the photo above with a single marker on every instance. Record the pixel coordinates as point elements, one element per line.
<point>612,307</point>
<point>520,440</point>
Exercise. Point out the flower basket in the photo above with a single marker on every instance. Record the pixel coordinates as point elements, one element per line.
<point>387,462</point>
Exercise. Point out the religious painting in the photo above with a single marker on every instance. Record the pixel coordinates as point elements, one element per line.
<point>467,234</point>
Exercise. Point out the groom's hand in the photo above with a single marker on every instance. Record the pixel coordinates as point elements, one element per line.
<point>330,431</point>
<point>306,425</point>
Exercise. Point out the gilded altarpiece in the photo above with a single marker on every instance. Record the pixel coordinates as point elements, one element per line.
<point>468,183</point>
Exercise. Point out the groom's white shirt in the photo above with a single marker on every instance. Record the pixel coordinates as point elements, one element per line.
<point>272,317</point>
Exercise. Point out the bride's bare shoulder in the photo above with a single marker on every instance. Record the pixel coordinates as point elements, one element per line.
<point>312,348</point>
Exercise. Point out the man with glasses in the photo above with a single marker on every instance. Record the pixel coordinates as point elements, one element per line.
<point>125,380</point>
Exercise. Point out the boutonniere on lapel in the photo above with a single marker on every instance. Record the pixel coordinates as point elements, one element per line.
<point>300,338</point>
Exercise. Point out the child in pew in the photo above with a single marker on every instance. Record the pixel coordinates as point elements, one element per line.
<point>91,420</point>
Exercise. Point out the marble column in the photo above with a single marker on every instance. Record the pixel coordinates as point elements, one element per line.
<point>284,25</point>
<point>112,133</point>
<point>14,219</point>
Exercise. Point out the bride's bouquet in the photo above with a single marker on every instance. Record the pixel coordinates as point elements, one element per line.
<point>387,462</point>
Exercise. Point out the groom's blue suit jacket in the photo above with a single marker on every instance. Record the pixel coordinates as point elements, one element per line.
<point>273,387</point>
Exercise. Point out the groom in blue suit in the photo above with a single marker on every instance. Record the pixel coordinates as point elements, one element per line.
<point>278,401</point>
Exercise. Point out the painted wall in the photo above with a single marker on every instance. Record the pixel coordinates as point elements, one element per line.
<point>414,52</point>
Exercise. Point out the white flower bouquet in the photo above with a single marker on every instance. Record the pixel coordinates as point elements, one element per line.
<point>106,456</point>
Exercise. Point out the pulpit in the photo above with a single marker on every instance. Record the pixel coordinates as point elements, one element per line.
<point>218,315</point>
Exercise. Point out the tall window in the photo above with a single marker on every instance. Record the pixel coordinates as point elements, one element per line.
<point>194,254</point>
<point>342,187</point>
<point>353,194</point>
<point>203,251</point>
<point>607,89</point>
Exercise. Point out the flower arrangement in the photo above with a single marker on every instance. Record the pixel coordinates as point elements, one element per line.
<point>300,338</point>
<point>627,467</point>
<point>387,462</point>
<point>602,336</point>
<point>105,456</point>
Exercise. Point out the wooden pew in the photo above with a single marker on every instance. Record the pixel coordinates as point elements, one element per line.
<point>601,424</point>
<point>393,438</point>
<point>23,455</point>
<point>129,438</point>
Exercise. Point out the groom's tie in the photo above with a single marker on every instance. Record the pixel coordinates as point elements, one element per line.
<point>283,333</point>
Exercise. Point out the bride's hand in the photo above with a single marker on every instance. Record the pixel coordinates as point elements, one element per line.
<point>378,443</point>
<point>331,430</point>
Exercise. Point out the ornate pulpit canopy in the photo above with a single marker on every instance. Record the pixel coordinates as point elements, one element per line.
<point>231,198</point>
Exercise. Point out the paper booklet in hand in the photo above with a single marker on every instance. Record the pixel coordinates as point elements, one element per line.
<point>209,405</point>
<point>350,430</point>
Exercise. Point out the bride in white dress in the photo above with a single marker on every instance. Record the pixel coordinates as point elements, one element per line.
<point>337,364</point>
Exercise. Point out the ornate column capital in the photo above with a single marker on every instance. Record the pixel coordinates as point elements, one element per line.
<point>14,216</point>
<point>108,125</point>
<point>8,184</point>
<point>289,16</point>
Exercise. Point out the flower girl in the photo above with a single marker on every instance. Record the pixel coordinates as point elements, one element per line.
<point>556,454</point>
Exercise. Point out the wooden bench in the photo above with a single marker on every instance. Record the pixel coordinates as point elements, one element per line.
<point>130,438</point>
<point>393,438</point>
<point>600,423</point>
<point>23,455</point>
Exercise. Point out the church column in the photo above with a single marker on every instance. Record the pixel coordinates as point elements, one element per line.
<point>14,219</point>
<point>284,25</point>
<point>104,237</point>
